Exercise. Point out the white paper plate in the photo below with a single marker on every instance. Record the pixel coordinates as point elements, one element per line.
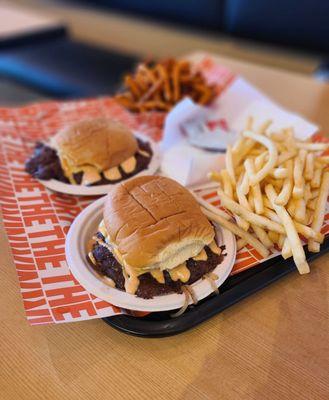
<point>82,190</point>
<point>83,228</point>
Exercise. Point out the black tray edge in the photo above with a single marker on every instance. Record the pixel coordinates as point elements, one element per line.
<point>272,270</point>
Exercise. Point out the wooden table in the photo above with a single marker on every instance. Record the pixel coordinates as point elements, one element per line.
<point>273,345</point>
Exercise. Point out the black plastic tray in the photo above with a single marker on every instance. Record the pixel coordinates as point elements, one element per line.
<point>234,289</point>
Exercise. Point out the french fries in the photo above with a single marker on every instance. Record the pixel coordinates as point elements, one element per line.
<point>244,186</point>
<point>309,166</point>
<point>298,189</point>
<point>240,244</point>
<point>271,162</point>
<point>292,235</point>
<point>319,211</point>
<point>227,183</point>
<point>286,249</point>
<point>159,86</point>
<point>277,191</point>
<point>312,146</point>
<point>285,193</point>
<point>316,180</point>
<point>255,189</point>
<point>262,250</point>
<point>229,164</point>
<point>249,216</point>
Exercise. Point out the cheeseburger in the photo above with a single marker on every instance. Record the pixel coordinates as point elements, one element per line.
<point>90,152</point>
<point>153,238</point>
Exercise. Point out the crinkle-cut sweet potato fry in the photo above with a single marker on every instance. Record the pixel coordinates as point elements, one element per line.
<point>160,86</point>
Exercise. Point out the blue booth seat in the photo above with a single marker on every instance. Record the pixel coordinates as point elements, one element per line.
<point>294,23</point>
<point>205,14</point>
<point>66,68</point>
<point>62,67</point>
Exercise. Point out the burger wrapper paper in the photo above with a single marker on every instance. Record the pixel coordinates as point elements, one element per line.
<point>37,220</point>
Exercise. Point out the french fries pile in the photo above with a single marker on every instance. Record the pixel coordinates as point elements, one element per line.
<point>160,86</point>
<point>276,188</point>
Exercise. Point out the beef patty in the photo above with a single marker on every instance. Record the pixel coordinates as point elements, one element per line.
<point>45,164</point>
<point>148,286</point>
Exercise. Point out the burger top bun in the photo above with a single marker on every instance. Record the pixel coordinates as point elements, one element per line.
<point>97,142</point>
<point>155,223</point>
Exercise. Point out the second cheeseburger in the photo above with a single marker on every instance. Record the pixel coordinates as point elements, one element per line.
<point>154,238</point>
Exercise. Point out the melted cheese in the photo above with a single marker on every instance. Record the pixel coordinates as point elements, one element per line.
<point>118,256</point>
<point>158,275</point>
<point>112,174</point>
<point>131,279</point>
<point>129,165</point>
<point>90,175</point>
<point>214,248</point>
<point>90,245</point>
<point>144,153</point>
<point>68,172</point>
<point>202,256</point>
<point>108,281</point>
<point>92,258</point>
<point>181,272</point>
<point>129,273</point>
<point>105,278</point>
<point>102,229</point>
